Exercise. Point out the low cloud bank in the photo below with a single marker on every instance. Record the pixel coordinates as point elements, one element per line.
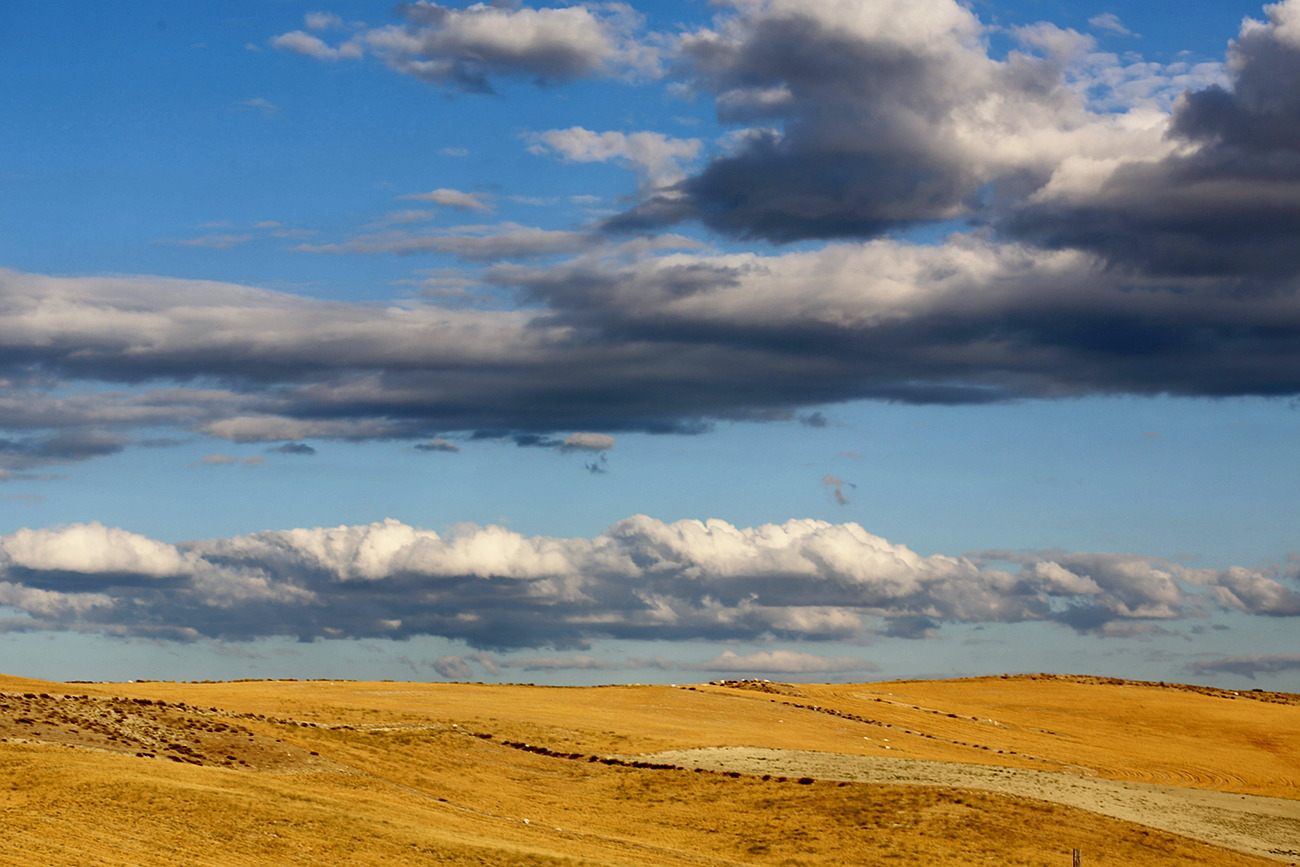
<point>640,579</point>
<point>1248,666</point>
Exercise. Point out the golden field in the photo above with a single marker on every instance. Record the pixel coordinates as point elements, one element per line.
<point>329,772</point>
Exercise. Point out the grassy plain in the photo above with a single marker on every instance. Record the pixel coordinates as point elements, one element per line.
<point>294,772</point>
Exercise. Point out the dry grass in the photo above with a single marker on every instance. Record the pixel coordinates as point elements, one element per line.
<point>1168,734</point>
<point>397,777</point>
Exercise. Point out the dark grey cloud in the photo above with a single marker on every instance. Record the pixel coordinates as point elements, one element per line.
<point>293,449</point>
<point>1120,252</point>
<point>453,668</point>
<point>468,48</point>
<point>859,119</point>
<point>1248,666</point>
<point>663,343</point>
<point>64,446</point>
<point>438,444</point>
<point>1225,202</point>
<point>857,122</point>
<point>640,579</point>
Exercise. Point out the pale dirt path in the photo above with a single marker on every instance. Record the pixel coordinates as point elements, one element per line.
<point>1268,827</point>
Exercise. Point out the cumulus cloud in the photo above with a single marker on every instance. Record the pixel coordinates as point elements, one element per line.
<point>1125,242</point>
<point>655,342</point>
<point>1111,23</point>
<point>1257,593</point>
<point>657,158</point>
<point>856,119</point>
<point>1223,201</point>
<point>301,42</point>
<point>640,579</point>
<point>90,549</point>
<point>467,48</point>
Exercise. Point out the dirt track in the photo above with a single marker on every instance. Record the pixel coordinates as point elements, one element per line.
<point>1268,827</point>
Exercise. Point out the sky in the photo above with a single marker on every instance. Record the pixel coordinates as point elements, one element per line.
<point>588,343</point>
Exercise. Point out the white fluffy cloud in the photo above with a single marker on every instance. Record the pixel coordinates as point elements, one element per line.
<point>301,42</point>
<point>91,549</point>
<point>641,578</point>
<point>657,158</point>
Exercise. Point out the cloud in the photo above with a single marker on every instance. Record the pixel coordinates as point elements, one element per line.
<point>655,157</point>
<point>222,241</point>
<point>574,662</point>
<point>782,662</point>
<point>1111,23</point>
<point>853,120</point>
<point>640,579</point>
<point>468,48</point>
<point>1248,666</point>
<point>61,446</point>
<point>300,42</point>
<point>472,243</point>
<point>220,460</point>
<point>837,485</point>
<point>1118,236</point>
<point>1219,201</point>
<point>259,104</point>
<point>259,231</point>
<point>408,215</point>
<point>1256,593</point>
<point>587,442</point>
<point>438,444</point>
<point>293,449</point>
<point>642,342</point>
<point>453,668</point>
<point>90,549</point>
<point>323,21</point>
<point>450,198</point>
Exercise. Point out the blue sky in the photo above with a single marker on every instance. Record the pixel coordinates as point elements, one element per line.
<point>971,329</point>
